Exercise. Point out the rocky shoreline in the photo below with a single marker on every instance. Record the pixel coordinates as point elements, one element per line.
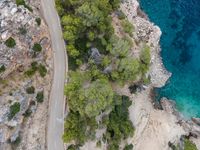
<point>159,76</point>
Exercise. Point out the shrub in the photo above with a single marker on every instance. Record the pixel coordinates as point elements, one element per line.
<point>42,70</point>
<point>128,27</point>
<point>37,47</point>
<point>14,109</point>
<point>40,97</point>
<point>10,42</point>
<point>145,59</point>
<point>2,68</point>
<point>128,147</point>
<point>73,147</point>
<point>189,145</point>
<point>30,90</point>
<point>20,2</point>
<point>22,30</point>
<point>16,142</point>
<point>38,21</point>
<point>27,113</point>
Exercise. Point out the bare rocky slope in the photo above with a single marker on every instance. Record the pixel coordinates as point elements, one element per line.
<point>25,79</point>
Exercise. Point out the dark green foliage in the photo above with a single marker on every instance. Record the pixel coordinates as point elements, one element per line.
<point>35,67</point>
<point>10,42</point>
<point>73,147</point>
<point>40,97</point>
<point>22,30</point>
<point>128,147</point>
<point>2,68</point>
<point>30,90</point>
<point>38,21</point>
<point>119,126</point>
<point>86,24</point>
<point>115,3</point>
<point>37,47</point>
<point>32,70</point>
<point>75,126</point>
<point>14,109</point>
<point>42,70</point>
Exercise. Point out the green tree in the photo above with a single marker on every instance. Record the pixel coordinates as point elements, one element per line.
<point>188,145</point>
<point>14,109</point>
<point>119,47</point>
<point>42,70</point>
<point>37,47</point>
<point>10,42</point>
<point>30,90</point>
<point>40,96</point>
<point>2,68</point>
<point>127,26</point>
<point>119,126</point>
<point>128,147</point>
<point>38,21</point>
<point>75,128</point>
<point>145,58</point>
<point>98,97</point>
<point>128,69</point>
<point>72,51</point>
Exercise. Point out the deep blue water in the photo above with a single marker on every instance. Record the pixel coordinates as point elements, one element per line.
<point>179,21</point>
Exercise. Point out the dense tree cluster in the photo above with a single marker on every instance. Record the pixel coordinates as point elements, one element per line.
<point>118,125</point>
<point>97,59</point>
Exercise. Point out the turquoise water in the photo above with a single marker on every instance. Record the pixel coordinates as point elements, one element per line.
<point>179,21</point>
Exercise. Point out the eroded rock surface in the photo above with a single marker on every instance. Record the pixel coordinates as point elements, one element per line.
<point>24,67</point>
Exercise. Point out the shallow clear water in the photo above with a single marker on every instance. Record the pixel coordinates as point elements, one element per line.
<point>179,21</point>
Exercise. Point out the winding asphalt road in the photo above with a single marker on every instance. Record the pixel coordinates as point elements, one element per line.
<point>56,107</point>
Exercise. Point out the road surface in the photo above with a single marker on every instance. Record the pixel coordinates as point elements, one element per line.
<point>56,105</point>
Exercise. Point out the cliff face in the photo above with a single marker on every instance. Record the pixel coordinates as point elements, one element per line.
<point>26,68</point>
<point>150,33</point>
<point>155,128</point>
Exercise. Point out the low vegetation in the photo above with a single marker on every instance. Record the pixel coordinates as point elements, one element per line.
<point>91,42</point>
<point>127,26</point>
<point>14,109</point>
<point>36,67</point>
<point>188,145</point>
<point>2,68</point>
<point>30,90</point>
<point>22,2</point>
<point>40,97</point>
<point>37,47</point>
<point>38,21</point>
<point>22,30</point>
<point>10,42</point>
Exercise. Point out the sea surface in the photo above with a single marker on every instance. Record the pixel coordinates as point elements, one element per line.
<point>179,21</point>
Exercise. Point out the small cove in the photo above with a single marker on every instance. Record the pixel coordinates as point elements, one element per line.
<point>179,21</point>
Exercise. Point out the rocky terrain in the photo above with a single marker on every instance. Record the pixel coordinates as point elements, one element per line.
<point>155,129</point>
<point>25,75</point>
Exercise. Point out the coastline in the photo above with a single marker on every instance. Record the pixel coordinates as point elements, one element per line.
<point>155,128</point>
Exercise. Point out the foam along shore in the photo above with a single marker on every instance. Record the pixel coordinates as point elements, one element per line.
<point>154,128</point>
